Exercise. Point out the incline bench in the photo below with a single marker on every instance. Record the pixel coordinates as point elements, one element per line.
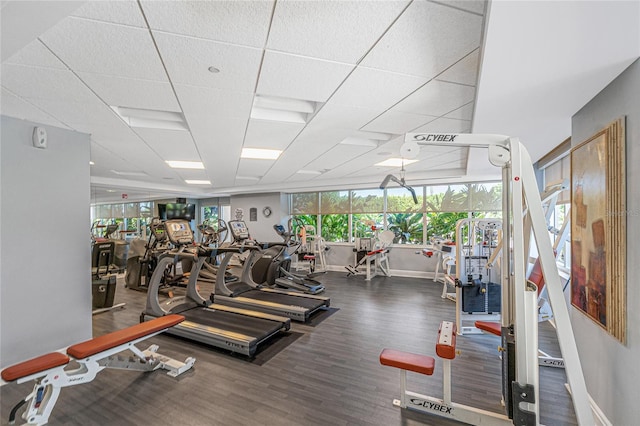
<point>423,364</point>
<point>93,355</point>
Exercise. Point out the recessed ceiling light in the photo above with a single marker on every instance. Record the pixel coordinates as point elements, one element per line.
<point>151,119</point>
<point>288,110</point>
<point>395,162</point>
<point>185,164</point>
<point>121,173</point>
<point>254,178</point>
<point>197,182</point>
<point>213,70</point>
<point>360,142</point>
<point>309,172</point>
<point>260,154</point>
<point>385,153</point>
<point>111,190</point>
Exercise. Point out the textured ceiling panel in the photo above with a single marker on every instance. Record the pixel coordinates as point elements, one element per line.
<point>188,61</point>
<point>475,6</point>
<point>170,144</point>
<point>437,98</point>
<point>251,167</point>
<point>125,12</point>
<point>338,30</point>
<point>426,40</point>
<point>333,116</point>
<point>44,83</point>
<point>370,88</point>
<point>113,129</point>
<point>212,103</point>
<point>238,22</point>
<point>77,112</point>
<point>104,48</point>
<point>336,156</point>
<point>463,113</point>
<point>36,54</point>
<point>465,71</point>
<point>132,93</point>
<point>270,134</point>
<point>397,122</point>
<point>445,125</point>
<point>13,106</point>
<point>299,77</point>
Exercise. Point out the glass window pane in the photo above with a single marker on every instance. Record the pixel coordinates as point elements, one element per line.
<point>407,227</point>
<point>304,203</point>
<point>367,201</point>
<point>400,200</point>
<point>443,225</point>
<point>131,210</point>
<point>334,202</point>
<point>362,224</point>
<point>146,209</point>
<point>451,198</point>
<point>335,227</point>
<point>485,196</point>
<point>117,210</point>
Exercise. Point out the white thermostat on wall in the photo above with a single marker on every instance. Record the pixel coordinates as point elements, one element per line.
<point>40,137</point>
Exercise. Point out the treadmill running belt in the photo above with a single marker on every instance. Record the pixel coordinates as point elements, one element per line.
<point>283,299</point>
<point>237,323</point>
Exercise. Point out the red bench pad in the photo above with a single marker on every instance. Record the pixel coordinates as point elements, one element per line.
<point>120,337</point>
<point>34,365</point>
<point>489,327</point>
<point>446,343</point>
<point>308,257</point>
<point>422,364</point>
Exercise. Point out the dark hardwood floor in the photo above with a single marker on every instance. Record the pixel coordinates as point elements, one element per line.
<point>323,373</point>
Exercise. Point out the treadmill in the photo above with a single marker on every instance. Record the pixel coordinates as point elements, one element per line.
<point>245,293</point>
<point>234,329</point>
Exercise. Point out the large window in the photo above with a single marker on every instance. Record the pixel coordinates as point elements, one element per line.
<point>345,215</point>
<point>131,217</point>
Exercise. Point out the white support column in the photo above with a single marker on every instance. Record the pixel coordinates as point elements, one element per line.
<point>446,381</point>
<point>564,331</point>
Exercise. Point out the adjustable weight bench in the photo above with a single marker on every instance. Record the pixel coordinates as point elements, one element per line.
<point>423,364</point>
<point>94,355</point>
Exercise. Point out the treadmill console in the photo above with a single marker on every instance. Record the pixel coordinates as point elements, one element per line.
<point>178,231</point>
<point>239,230</point>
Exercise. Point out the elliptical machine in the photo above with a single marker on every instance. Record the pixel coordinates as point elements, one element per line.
<point>272,268</point>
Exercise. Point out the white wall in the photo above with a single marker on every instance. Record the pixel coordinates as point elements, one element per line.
<point>262,229</point>
<point>45,277</point>
<point>611,368</point>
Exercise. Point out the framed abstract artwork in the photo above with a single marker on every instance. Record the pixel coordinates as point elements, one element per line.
<point>598,229</point>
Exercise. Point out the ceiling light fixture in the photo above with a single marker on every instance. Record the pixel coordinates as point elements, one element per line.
<point>309,172</point>
<point>288,110</point>
<point>395,162</point>
<point>121,173</point>
<point>260,153</point>
<point>197,182</point>
<point>360,142</point>
<point>91,163</point>
<point>185,164</point>
<point>253,178</point>
<point>214,70</point>
<point>151,119</point>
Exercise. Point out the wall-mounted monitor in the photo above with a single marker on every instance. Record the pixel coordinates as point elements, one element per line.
<point>177,211</point>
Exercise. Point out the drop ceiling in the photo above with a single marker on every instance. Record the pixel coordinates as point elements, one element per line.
<point>364,72</point>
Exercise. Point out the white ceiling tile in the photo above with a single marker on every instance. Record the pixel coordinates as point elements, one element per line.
<point>35,54</point>
<point>100,47</point>
<point>239,22</point>
<point>125,12</point>
<point>170,144</point>
<point>333,116</point>
<point>251,167</point>
<point>475,6</point>
<point>465,71</point>
<point>463,113</point>
<point>188,60</point>
<point>397,122</point>
<point>426,40</point>
<point>204,103</point>
<point>270,134</point>
<point>13,106</point>
<point>370,88</point>
<point>132,93</point>
<point>77,112</point>
<point>192,174</point>
<point>336,156</point>
<point>437,98</point>
<point>113,129</point>
<point>445,125</point>
<point>44,83</point>
<point>298,77</point>
<point>337,30</point>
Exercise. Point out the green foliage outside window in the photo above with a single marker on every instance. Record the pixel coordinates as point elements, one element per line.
<point>335,227</point>
<point>406,226</point>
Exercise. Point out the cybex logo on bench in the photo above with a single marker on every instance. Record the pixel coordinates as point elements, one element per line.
<point>432,406</point>
<point>436,137</point>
